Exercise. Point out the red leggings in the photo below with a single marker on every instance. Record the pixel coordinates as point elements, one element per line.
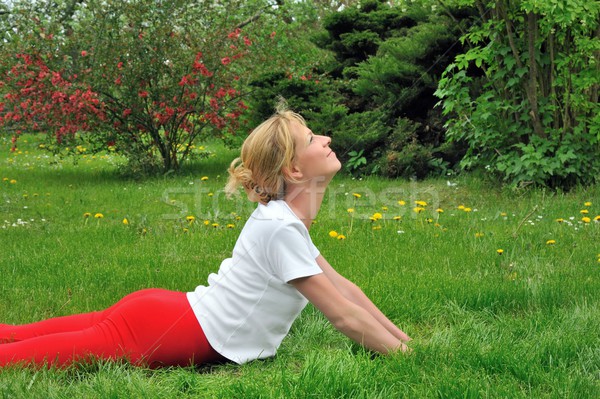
<point>152,327</point>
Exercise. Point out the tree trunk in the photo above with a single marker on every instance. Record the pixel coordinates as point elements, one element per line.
<point>532,86</point>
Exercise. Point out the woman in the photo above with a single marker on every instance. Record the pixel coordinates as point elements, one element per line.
<point>248,307</point>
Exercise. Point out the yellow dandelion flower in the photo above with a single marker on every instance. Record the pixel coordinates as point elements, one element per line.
<point>384,208</point>
<point>333,234</point>
<point>584,211</point>
<point>190,219</point>
<point>215,225</point>
<point>206,222</point>
<point>500,251</point>
<point>98,216</point>
<point>204,178</point>
<point>461,207</point>
<point>87,215</point>
<point>418,209</point>
<point>5,179</point>
<point>210,194</point>
<point>588,203</point>
<point>125,221</point>
<point>550,242</point>
<point>230,225</point>
<point>439,210</point>
<point>186,230</point>
<point>350,210</point>
<point>378,227</point>
<point>421,203</point>
<point>13,181</point>
<point>356,195</point>
<point>341,237</point>
<point>479,235</point>
<point>597,218</point>
<point>586,219</point>
<point>401,203</point>
<point>377,216</point>
<point>397,217</point>
<point>560,220</point>
<point>503,214</point>
<point>467,209</point>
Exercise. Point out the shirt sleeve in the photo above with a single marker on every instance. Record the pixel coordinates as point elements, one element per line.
<point>292,254</point>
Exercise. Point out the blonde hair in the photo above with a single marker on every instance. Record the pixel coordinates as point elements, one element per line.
<point>266,152</point>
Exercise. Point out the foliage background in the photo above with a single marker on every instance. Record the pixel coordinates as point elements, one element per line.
<point>518,81</point>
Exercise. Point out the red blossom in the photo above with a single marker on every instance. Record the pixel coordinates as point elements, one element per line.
<point>84,53</point>
<point>184,81</point>
<point>221,93</point>
<point>247,41</point>
<point>235,34</point>
<point>143,94</point>
<point>198,66</point>
<point>225,60</point>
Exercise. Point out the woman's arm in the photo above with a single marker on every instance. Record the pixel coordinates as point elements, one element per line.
<point>349,318</point>
<point>357,296</point>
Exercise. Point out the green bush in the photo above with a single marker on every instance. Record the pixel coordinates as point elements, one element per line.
<point>524,97</point>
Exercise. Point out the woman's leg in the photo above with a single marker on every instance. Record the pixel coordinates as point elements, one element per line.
<point>77,322</point>
<point>155,329</point>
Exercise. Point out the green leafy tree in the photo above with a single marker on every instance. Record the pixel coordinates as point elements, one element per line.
<point>525,95</point>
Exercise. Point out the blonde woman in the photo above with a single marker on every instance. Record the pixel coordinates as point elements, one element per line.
<point>248,307</point>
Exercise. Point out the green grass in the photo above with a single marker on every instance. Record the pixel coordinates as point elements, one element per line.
<point>522,324</point>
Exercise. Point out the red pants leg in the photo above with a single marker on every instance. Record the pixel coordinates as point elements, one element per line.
<point>76,322</point>
<point>150,327</point>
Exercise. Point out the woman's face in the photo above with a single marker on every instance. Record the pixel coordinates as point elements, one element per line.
<point>313,158</point>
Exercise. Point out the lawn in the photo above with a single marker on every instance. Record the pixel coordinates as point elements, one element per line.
<point>500,289</point>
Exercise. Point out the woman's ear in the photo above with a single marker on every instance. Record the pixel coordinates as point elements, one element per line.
<point>292,173</point>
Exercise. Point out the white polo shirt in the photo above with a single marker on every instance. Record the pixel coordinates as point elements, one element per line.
<point>248,307</point>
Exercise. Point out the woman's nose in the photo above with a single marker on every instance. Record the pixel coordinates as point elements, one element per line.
<point>327,140</point>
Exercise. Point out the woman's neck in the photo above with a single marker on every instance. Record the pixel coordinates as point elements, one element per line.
<point>305,201</point>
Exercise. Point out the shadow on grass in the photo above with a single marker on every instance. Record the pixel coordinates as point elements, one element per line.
<point>76,173</point>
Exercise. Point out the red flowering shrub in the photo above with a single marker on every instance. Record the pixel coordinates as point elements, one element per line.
<point>154,80</point>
